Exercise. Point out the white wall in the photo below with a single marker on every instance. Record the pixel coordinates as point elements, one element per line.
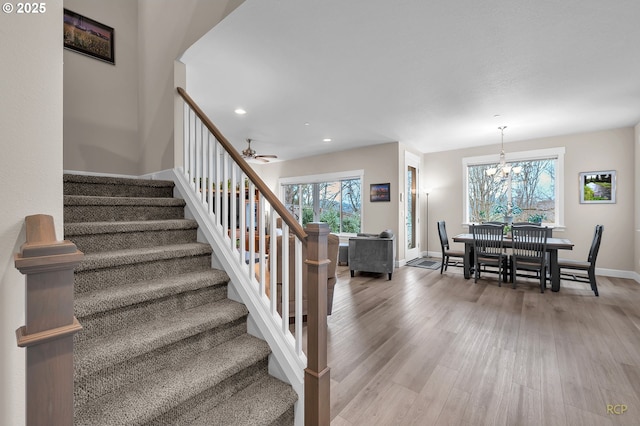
<point>637,199</point>
<point>100,99</point>
<point>30,170</point>
<point>119,119</point>
<point>604,150</point>
<point>166,29</point>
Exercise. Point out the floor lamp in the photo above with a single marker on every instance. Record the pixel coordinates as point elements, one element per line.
<point>427,224</point>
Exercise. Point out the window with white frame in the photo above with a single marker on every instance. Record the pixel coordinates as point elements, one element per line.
<point>529,189</point>
<point>335,199</point>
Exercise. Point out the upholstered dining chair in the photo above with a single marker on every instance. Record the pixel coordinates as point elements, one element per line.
<point>447,253</point>
<point>488,249</point>
<point>568,267</point>
<point>529,252</point>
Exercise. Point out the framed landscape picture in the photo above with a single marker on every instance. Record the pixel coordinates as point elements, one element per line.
<point>380,192</point>
<point>89,37</point>
<point>598,187</point>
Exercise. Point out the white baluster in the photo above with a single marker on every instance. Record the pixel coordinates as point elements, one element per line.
<point>273,260</point>
<point>298,300</point>
<point>262,249</point>
<point>285,277</point>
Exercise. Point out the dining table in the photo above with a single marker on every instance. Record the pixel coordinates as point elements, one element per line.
<point>553,245</point>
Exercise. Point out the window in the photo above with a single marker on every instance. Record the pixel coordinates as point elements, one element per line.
<point>531,191</point>
<point>333,199</point>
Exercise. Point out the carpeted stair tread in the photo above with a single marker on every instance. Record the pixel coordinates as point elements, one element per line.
<point>260,403</point>
<point>113,180</point>
<point>137,339</point>
<point>93,228</point>
<point>93,302</point>
<point>142,402</point>
<point>116,186</point>
<point>84,200</point>
<point>109,259</point>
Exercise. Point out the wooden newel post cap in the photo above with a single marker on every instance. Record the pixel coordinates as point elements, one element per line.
<point>42,252</point>
<point>317,228</point>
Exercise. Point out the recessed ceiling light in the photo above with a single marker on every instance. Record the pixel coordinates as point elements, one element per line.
<point>240,111</point>
<point>326,140</point>
<point>307,124</point>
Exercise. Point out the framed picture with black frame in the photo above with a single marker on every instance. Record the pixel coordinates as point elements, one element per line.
<point>380,192</point>
<point>88,37</point>
<point>598,187</point>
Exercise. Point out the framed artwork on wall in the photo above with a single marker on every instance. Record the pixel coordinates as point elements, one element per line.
<point>380,192</point>
<point>598,187</point>
<point>88,37</point>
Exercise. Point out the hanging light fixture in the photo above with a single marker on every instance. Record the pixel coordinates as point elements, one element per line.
<point>503,169</point>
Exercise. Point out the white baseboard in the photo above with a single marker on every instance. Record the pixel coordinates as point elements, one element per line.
<point>431,254</point>
<point>616,273</point>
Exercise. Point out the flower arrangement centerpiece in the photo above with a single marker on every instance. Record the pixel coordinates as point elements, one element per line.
<point>507,211</point>
<point>537,218</point>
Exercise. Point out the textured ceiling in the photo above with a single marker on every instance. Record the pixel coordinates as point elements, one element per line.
<point>430,74</point>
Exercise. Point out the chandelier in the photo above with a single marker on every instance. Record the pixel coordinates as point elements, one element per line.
<point>503,170</point>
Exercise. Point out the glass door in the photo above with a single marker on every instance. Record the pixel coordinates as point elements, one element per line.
<point>412,206</point>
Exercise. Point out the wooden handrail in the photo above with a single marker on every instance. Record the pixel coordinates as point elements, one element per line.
<point>50,324</point>
<point>273,200</point>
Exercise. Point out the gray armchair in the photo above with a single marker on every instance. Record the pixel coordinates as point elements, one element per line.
<point>373,253</point>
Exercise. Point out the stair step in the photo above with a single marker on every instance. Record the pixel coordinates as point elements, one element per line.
<point>116,186</point>
<point>115,258</point>
<point>138,339</point>
<point>265,402</point>
<point>92,237</point>
<point>85,200</point>
<point>105,311</point>
<point>146,400</point>
<point>90,303</point>
<point>106,269</point>
<point>106,363</point>
<point>80,208</point>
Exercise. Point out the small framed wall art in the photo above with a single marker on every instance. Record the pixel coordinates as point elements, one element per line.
<point>598,187</point>
<point>380,192</point>
<point>88,37</point>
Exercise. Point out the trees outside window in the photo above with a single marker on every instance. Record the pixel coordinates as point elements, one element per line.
<point>530,195</point>
<point>337,203</point>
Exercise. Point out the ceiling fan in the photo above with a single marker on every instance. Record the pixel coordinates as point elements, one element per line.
<point>250,153</point>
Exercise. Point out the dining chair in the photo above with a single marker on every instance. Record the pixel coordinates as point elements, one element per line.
<point>588,267</point>
<point>549,235</point>
<point>447,253</point>
<point>529,252</point>
<point>488,249</point>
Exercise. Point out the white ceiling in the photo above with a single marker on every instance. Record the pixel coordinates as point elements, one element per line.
<point>428,73</point>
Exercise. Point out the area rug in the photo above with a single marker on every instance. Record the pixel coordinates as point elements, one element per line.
<point>424,263</point>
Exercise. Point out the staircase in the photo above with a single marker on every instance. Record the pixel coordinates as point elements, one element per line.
<point>161,342</point>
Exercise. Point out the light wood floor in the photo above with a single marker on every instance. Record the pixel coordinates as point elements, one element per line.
<point>431,349</point>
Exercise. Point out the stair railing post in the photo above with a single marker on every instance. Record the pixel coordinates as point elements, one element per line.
<point>50,324</point>
<point>316,376</point>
